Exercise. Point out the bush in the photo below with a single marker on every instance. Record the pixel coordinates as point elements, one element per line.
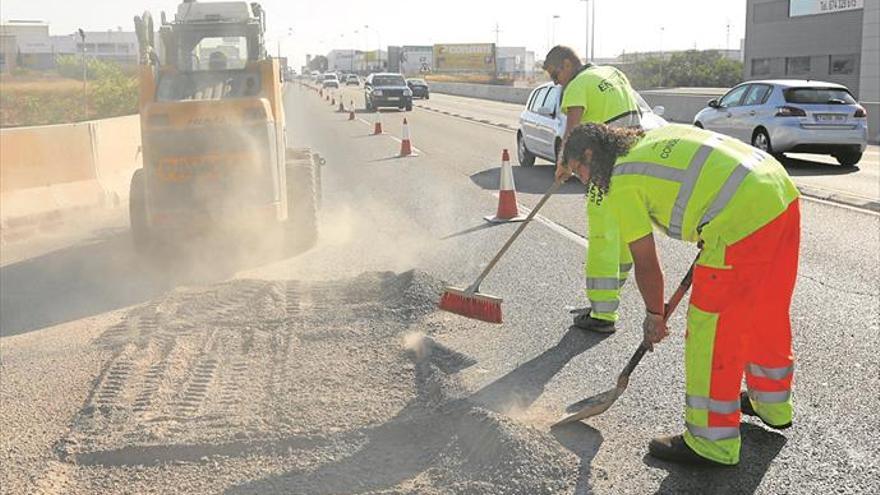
<point>40,98</point>
<point>685,69</point>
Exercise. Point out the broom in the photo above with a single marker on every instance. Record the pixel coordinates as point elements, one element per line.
<point>469,302</point>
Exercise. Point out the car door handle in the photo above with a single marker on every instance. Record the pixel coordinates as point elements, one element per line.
<point>753,113</point>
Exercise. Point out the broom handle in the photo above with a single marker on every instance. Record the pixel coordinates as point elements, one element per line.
<point>476,285</point>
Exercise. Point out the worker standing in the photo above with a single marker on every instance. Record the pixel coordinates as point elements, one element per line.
<point>741,206</point>
<point>596,94</point>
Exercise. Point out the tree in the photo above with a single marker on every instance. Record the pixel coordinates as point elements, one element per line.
<point>319,63</point>
<point>692,68</point>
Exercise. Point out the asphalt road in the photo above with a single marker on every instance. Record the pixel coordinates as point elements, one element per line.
<point>818,175</point>
<point>382,213</point>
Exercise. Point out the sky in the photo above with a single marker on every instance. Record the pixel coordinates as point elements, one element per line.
<point>316,27</point>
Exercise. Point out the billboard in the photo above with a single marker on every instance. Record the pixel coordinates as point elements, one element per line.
<point>799,8</point>
<point>416,59</point>
<point>477,57</point>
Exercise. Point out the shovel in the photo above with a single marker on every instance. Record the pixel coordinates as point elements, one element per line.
<point>597,404</point>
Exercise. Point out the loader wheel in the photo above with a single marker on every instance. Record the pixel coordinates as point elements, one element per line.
<point>302,215</point>
<point>137,212</point>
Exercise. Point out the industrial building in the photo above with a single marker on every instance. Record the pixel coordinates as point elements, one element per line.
<point>835,41</point>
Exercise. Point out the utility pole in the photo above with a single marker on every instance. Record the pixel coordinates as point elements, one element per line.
<point>553,31</point>
<point>587,27</point>
<point>661,55</point>
<point>592,31</point>
<point>495,51</point>
<point>727,43</point>
<point>82,37</point>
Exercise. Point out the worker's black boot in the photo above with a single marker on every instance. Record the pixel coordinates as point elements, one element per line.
<point>673,449</point>
<point>745,405</point>
<point>586,322</point>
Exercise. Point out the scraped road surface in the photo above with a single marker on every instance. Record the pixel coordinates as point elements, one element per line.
<point>226,371</point>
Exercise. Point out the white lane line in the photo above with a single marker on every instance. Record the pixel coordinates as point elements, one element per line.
<point>416,151</point>
<point>558,228</point>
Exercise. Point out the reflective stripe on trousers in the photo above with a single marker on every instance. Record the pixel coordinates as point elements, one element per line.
<point>607,255</point>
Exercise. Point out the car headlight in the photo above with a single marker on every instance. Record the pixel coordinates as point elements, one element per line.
<point>407,92</point>
<point>377,92</point>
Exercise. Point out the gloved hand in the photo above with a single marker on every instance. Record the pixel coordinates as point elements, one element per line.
<point>654,329</point>
<point>562,172</point>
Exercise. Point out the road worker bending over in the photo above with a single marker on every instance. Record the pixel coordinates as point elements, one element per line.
<point>602,95</point>
<point>740,204</point>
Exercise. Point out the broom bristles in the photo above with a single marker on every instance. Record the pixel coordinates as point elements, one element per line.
<point>476,306</point>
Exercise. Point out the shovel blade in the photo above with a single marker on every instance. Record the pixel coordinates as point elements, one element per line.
<point>589,407</point>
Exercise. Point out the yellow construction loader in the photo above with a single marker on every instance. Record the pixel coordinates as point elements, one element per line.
<point>213,132</point>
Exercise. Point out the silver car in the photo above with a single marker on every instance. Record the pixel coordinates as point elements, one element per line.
<point>780,116</point>
<point>542,124</point>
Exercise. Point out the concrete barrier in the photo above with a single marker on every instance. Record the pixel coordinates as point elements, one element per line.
<point>507,94</point>
<point>47,172</point>
<point>681,105</point>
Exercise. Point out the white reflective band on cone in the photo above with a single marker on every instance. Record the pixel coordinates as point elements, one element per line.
<point>507,182</point>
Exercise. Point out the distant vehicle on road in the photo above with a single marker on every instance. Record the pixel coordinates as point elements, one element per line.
<point>542,124</point>
<point>352,80</point>
<point>419,88</point>
<point>330,81</point>
<point>316,76</point>
<point>779,116</point>
<point>387,90</point>
<point>289,74</point>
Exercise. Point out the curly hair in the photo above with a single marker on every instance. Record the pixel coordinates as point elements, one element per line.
<point>607,145</point>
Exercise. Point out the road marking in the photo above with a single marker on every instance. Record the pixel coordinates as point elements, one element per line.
<point>416,151</point>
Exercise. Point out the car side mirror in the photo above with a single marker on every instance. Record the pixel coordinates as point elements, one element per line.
<point>659,110</point>
<point>714,103</point>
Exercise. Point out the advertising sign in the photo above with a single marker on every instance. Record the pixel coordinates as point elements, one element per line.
<point>799,8</point>
<point>416,60</point>
<point>478,57</point>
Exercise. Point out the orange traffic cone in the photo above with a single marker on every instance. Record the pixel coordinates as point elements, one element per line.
<point>507,208</point>
<point>377,128</point>
<point>351,112</point>
<point>406,144</point>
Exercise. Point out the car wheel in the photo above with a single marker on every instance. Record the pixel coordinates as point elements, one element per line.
<point>409,106</point>
<point>848,158</point>
<point>761,140</point>
<point>427,96</point>
<point>699,125</point>
<point>523,155</point>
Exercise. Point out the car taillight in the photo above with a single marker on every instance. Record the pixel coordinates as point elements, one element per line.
<point>790,112</point>
<point>860,113</point>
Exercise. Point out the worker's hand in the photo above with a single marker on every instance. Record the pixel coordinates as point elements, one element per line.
<point>562,172</point>
<point>654,329</point>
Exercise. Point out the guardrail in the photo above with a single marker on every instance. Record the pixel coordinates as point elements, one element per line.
<point>47,172</point>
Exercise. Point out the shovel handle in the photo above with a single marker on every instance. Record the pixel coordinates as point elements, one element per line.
<point>676,298</point>
<point>476,285</point>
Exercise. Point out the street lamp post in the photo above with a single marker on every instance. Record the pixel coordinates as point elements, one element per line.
<point>82,37</point>
<point>553,31</point>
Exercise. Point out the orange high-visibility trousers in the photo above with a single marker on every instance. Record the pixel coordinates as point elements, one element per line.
<point>739,323</point>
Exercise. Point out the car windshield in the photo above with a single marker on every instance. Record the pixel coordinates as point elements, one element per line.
<point>808,96</point>
<point>388,81</point>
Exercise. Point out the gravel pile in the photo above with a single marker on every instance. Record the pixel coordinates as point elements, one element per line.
<point>292,387</point>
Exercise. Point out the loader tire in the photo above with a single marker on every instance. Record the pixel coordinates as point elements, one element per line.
<point>302,214</point>
<point>137,212</point>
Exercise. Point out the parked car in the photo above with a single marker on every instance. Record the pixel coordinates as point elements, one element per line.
<point>330,81</point>
<point>780,116</point>
<point>352,80</point>
<point>542,124</point>
<point>387,90</point>
<point>419,88</point>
